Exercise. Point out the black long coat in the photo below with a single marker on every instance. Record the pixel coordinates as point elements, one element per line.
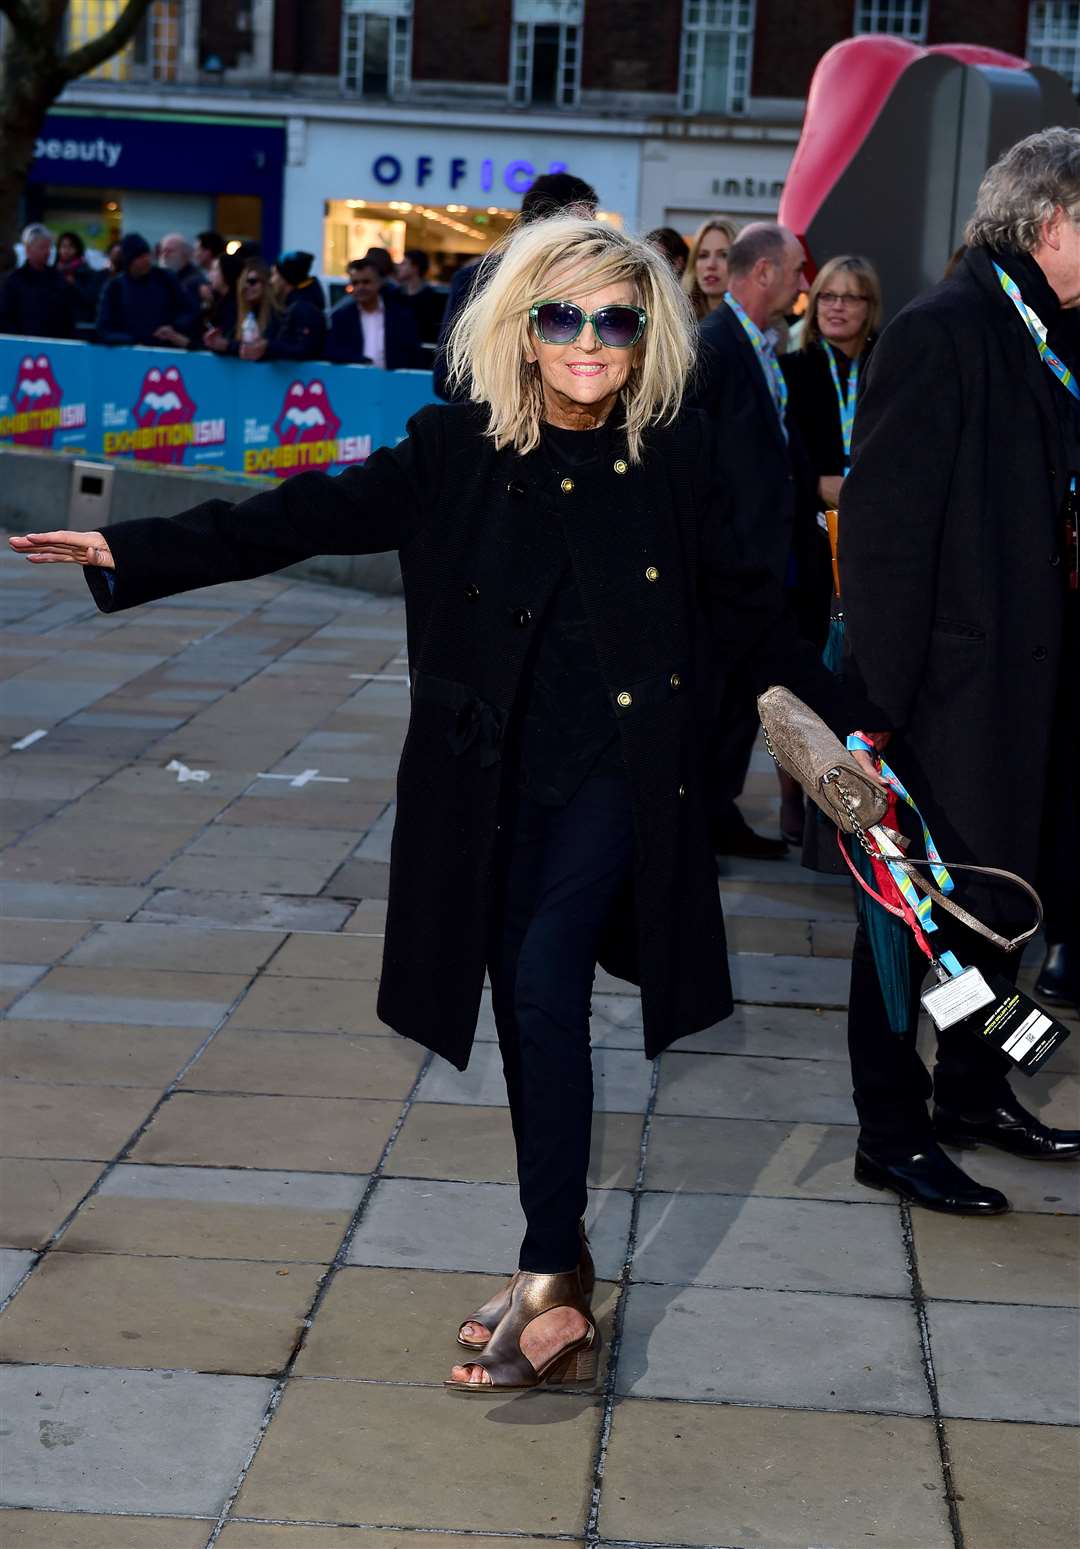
<point>951,565</point>
<point>483,537</point>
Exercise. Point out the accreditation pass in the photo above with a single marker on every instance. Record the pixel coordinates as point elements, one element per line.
<point>957,998</point>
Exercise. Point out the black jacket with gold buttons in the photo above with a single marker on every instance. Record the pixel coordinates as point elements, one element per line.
<point>672,604</point>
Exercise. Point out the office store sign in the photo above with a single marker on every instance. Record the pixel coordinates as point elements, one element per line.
<point>428,174</point>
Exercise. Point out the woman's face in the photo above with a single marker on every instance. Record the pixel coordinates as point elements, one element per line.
<point>585,374</point>
<point>711,266</point>
<point>217,280</point>
<point>251,288</point>
<point>66,250</point>
<point>842,308</point>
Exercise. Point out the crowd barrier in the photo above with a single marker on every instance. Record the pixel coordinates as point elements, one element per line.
<point>200,411</point>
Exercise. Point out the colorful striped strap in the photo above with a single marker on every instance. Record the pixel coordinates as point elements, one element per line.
<point>1037,329</point>
<point>778,387</point>
<point>847,404</point>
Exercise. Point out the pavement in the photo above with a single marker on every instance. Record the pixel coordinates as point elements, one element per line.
<point>242,1220</point>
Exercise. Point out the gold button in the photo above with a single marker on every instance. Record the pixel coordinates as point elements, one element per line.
<point>625,698</point>
<point>567,486</point>
<point>676,681</point>
<point>621,465</point>
<point>682,790</point>
<point>652,574</point>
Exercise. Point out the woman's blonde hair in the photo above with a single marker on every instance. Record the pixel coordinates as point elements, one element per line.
<point>698,299</point>
<point>554,259</point>
<point>865,276</point>
<point>268,307</point>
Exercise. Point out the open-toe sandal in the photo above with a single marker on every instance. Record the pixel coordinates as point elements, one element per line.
<point>503,1359</point>
<point>491,1314</point>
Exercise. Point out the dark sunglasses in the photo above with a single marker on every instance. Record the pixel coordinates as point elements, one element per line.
<point>252,279</point>
<point>561,322</point>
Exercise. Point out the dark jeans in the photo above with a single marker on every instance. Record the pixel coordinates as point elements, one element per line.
<point>561,870</point>
<point>892,1085</point>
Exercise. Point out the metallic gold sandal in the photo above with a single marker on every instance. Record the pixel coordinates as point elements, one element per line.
<point>494,1310</point>
<point>504,1360</point>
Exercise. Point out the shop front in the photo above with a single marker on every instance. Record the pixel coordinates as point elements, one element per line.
<point>450,191</point>
<point>107,173</point>
<point>686,180</point>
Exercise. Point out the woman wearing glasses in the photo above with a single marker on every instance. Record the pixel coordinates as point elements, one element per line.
<point>573,593</point>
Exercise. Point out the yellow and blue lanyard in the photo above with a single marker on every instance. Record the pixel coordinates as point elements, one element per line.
<point>1037,329</point>
<point>767,357</point>
<point>846,403</point>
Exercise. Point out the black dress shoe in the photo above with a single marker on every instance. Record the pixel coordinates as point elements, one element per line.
<point>927,1177</point>
<point>1059,977</point>
<point>735,837</point>
<point>1009,1127</point>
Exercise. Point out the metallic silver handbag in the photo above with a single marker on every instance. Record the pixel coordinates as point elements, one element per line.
<point>806,749</point>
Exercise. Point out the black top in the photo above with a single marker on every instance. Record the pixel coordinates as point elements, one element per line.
<point>813,405</point>
<point>567,727</point>
<point>428,307</point>
<point>38,302</point>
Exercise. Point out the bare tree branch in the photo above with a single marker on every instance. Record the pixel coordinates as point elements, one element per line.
<point>110,42</point>
<point>19,14</point>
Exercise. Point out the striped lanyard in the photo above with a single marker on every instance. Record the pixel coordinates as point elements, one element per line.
<point>765,353</point>
<point>1037,329</point>
<point>847,404</point>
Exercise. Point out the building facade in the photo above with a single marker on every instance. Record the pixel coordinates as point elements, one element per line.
<point>420,123</point>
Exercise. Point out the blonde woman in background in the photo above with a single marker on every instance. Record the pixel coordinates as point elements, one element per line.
<point>705,278</point>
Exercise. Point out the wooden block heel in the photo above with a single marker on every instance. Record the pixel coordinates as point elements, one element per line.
<point>507,1366</point>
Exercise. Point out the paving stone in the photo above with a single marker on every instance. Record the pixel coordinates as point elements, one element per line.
<point>38,941</point>
<point>734,1086</point>
<point>255,874</point>
<point>476,1145</point>
<point>239,911</point>
<point>329,957</point>
<point>788,1479</point>
<point>783,1032</point>
<point>368,918</point>
<point>127,1441</point>
<point>762,1157</point>
<point>87,1054</point>
<point>307,1065</point>
<point>310,1006</point>
<point>1053,1094</point>
<point>218,1213</point>
<point>360,879</point>
<point>50,1530</point>
<point>1000,1362</point>
<point>135,995</point>
<point>621,1080</point>
<point>831,939</point>
<point>35,1196</point>
<point>296,1134</point>
<point>749,933</point>
<point>786,1244</point>
<point>822,981</point>
<point>789,1348</point>
<point>348,1451</point>
<point>1016,1483</point>
<point>14,1262</point>
<point>258,1535</point>
<point>1018,1258</point>
<point>211,1315</point>
<point>17,977</point>
<point>56,901</point>
<point>166,946</point>
<point>271,803</point>
<point>400,1325</point>
<point>473,1226</point>
<point>1047,1187</point>
<point>77,1123</point>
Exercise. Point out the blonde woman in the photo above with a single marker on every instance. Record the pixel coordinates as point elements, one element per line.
<point>573,591</point>
<point>705,278</point>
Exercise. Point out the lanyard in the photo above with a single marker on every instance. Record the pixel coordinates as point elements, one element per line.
<point>1037,329</point>
<point>769,364</point>
<point>847,405</point>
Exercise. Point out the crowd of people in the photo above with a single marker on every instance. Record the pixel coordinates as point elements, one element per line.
<point>188,295</point>
<point>613,536</point>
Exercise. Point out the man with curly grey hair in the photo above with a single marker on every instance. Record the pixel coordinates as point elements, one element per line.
<point>958,558</point>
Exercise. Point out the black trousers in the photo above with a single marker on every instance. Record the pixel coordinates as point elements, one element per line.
<point>561,870</point>
<point>891,1083</point>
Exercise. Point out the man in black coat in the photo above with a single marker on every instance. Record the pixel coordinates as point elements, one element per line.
<point>372,328</point>
<point>35,299</point>
<point>144,304</point>
<point>959,579</point>
<point>741,388</point>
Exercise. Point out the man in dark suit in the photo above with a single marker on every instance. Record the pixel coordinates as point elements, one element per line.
<point>958,558</point>
<point>144,304</point>
<point>370,328</point>
<point>742,389</point>
<point>34,299</point>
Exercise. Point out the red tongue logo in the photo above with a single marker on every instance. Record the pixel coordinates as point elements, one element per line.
<point>163,400</point>
<point>306,417</point>
<point>36,390</point>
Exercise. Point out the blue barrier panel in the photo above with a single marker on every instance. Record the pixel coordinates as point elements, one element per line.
<point>200,411</point>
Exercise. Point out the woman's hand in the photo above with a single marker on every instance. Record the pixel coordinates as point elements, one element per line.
<point>829,487</point>
<point>866,760</point>
<point>215,340</point>
<point>65,548</point>
<point>253,351</point>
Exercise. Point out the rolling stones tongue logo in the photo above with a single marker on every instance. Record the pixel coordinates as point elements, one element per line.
<point>36,391</point>
<point>307,422</point>
<point>163,400</point>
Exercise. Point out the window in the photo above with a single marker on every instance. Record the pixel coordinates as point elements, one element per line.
<point>714,73</point>
<point>154,52</point>
<point>376,43</point>
<point>1054,38</point>
<point>545,52</point>
<point>903,18</point>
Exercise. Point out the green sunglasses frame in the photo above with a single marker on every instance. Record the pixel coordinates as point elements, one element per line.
<point>588,317</point>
